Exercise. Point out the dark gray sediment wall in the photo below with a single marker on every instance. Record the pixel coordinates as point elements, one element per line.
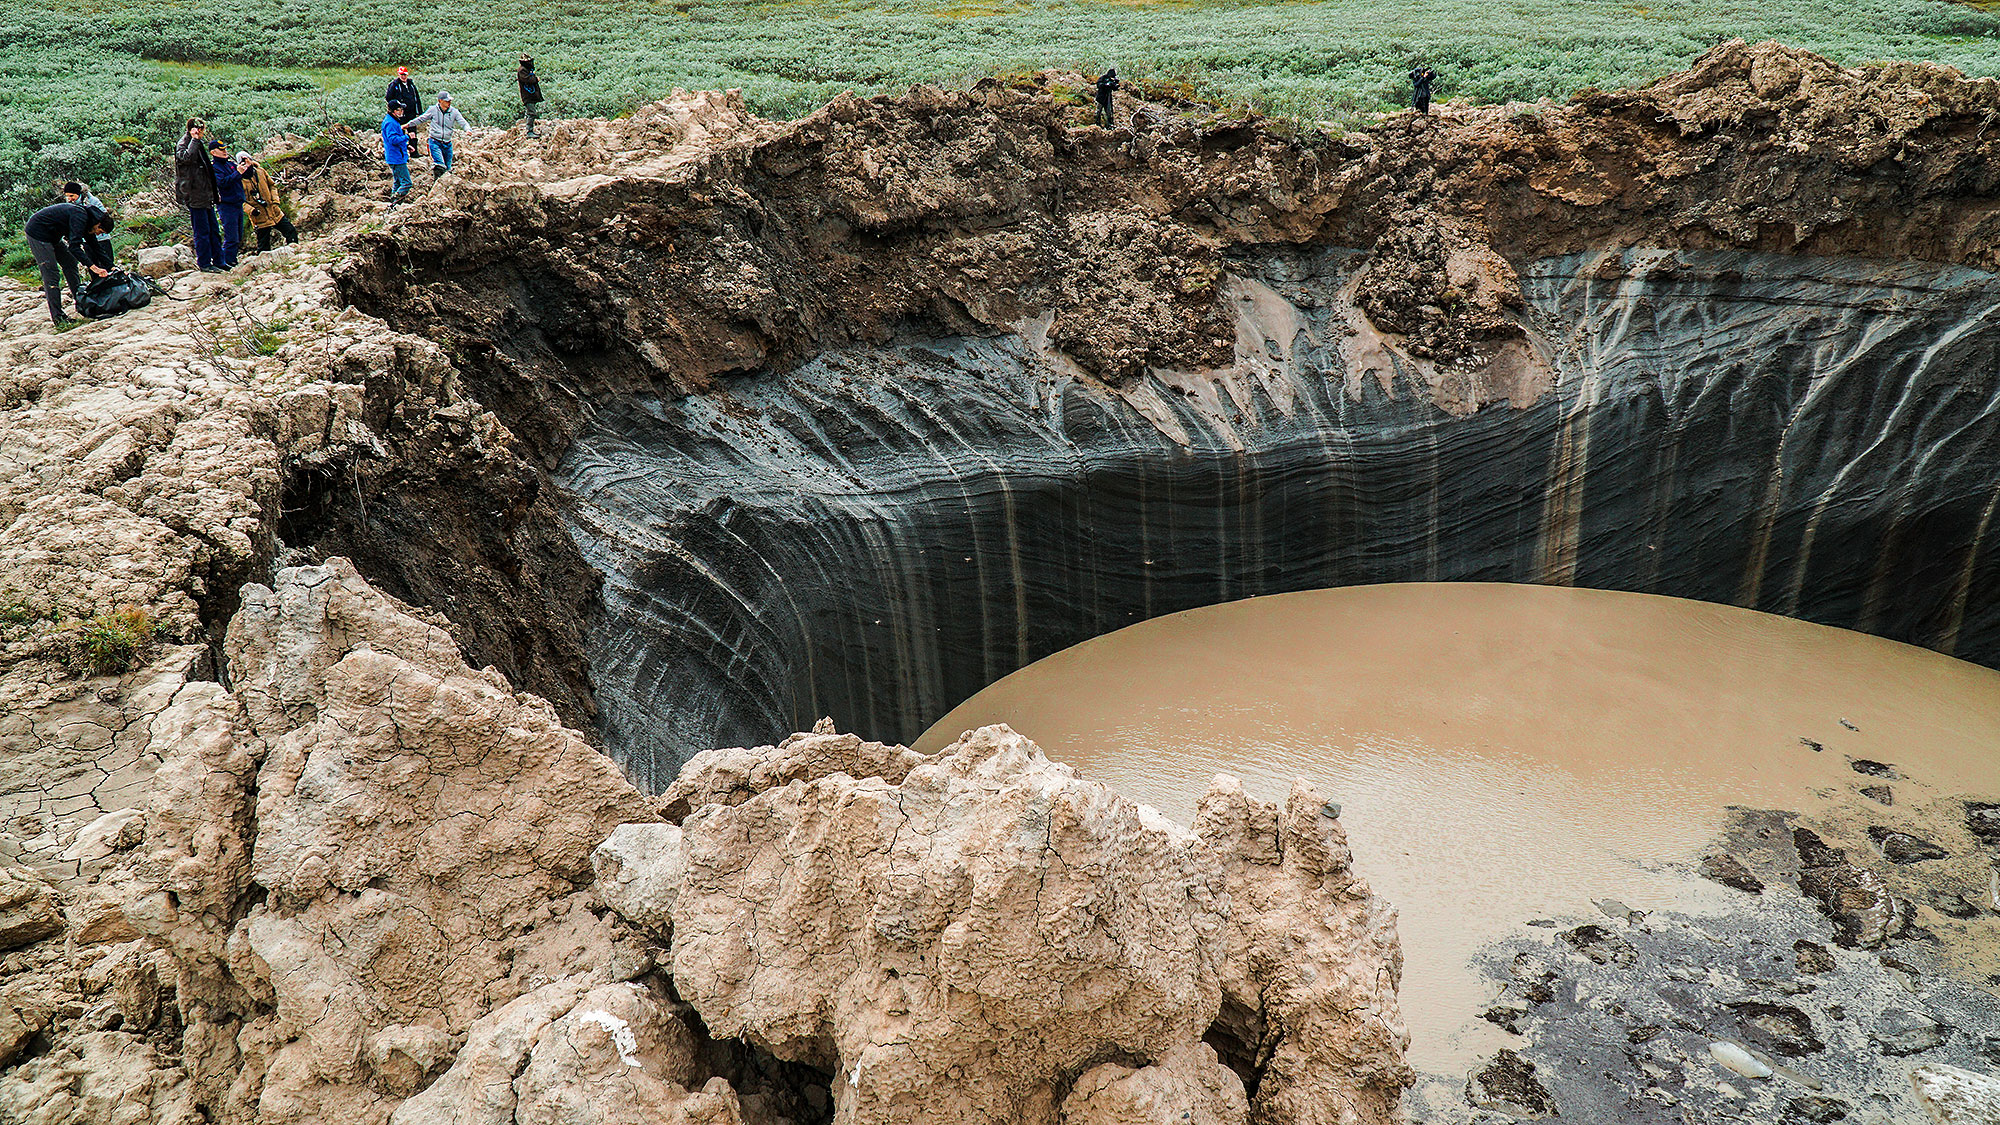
<point>880,533</point>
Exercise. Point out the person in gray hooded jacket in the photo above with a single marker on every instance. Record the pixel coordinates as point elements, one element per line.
<point>443,122</point>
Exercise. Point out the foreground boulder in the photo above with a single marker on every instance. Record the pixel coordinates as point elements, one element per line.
<point>994,938</point>
<point>954,947</point>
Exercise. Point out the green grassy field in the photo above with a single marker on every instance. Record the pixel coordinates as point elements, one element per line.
<point>96,91</point>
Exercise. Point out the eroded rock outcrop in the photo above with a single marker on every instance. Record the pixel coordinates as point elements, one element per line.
<point>954,947</point>
<point>989,936</point>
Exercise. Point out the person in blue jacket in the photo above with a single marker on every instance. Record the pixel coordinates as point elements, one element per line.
<point>396,152</point>
<point>228,201</point>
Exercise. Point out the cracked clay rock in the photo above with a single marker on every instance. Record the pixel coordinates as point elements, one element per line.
<point>362,851</point>
<point>955,947</point>
<point>994,938</point>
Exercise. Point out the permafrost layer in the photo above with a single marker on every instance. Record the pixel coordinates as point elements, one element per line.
<point>881,532</point>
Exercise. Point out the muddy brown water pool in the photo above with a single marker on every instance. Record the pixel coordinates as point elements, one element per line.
<point>1502,753</point>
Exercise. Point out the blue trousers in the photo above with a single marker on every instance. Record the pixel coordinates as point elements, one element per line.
<point>440,156</point>
<point>232,232</point>
<point>402,174</point>
<point>207,239</point>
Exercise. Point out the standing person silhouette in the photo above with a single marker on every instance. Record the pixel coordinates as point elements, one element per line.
<point>1420,87</point>
<point>1107,84</point>
<point>445,123</point>
<point>531,91</point>
<point>403,92</point>
<point>195,189</point>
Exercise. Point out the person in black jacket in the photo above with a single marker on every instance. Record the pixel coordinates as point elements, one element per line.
<point>59,237</point>
<point>531,91</point>
<point>403,92</point>
<point>1420,87</point>
<point>99,247</point>
<point>1107,84</point>
<point>194,187</point>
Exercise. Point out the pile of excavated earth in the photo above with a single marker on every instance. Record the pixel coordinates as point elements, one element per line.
<point>301,812</point>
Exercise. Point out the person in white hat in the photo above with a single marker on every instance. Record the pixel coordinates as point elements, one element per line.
<point>443,122</point>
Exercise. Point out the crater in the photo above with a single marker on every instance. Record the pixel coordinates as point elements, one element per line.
<point>882,531</point>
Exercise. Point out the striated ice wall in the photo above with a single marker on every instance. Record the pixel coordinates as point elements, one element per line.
<point>882,532</point>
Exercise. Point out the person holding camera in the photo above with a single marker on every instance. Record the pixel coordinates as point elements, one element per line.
<point>194,189</point>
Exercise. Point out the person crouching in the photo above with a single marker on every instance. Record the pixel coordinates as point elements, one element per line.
<point>263,203</point>
<point>58,237</point>
<point>99,247</point>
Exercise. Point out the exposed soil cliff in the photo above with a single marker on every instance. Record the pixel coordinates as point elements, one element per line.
<point>325,870</point>
<point>662,253</point>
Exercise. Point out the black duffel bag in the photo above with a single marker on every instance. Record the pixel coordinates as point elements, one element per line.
<point>112,294</point>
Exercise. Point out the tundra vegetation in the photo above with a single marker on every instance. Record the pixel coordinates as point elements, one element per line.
<point>96,92</point>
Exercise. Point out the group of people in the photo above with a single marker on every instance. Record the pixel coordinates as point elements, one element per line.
<point>219,192</point>
<point>442,123</point>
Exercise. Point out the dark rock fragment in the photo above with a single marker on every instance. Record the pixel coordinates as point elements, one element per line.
<point>1730,872</point>
<point>1503,1018</point>
<point>1778,1028</point>
<point>1880,794</point>
<point>1901,847</point>
<point>1952,904</point>
<point>1815,1108</point>
<point>1874,769</point>
<point>1509,1085</point>
<point>1811,745</point>
<point>1856,900</point>
<point>1812,956</point>
<point>1600,945</point>
<point>1900,1031</point>
<point>1983,818</point>
<point>1644,1034</point>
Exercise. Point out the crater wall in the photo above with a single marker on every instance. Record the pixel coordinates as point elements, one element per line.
<point>882,531</point>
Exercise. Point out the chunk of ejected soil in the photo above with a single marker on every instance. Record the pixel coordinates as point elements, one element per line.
<point>1730,872</point>
<point>1901,847</point>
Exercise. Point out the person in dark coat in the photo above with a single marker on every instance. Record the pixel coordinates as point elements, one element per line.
<point>228,201</point>
<point>194,188</point>
<point>531,91</point>
<point>1420,87</point>
<point>59,236</point>
<point>1107,84</point>
<point>403,92</point>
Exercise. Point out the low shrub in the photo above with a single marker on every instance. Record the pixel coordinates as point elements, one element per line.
<point>111,643</point>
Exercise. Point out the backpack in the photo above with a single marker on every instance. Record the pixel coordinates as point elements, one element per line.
<point>108,296</point>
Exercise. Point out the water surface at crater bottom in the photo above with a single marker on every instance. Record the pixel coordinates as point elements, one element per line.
<point>1503,753</point>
